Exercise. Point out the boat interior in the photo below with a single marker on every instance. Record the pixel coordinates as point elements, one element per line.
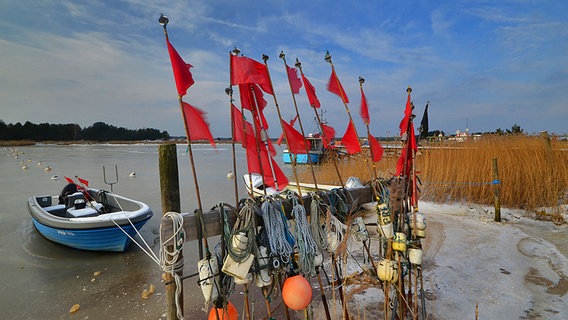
<point>85,203</point>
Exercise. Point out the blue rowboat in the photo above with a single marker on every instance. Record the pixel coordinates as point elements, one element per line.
<point>89,219</point>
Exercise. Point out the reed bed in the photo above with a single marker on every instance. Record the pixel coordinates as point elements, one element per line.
<point>533,171</point>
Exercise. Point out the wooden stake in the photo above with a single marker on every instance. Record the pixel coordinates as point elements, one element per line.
<point>496,190</point>
<point>169,186</point>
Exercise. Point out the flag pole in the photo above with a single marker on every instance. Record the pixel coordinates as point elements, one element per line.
<point>229,92</point>
<point>320,123</point>
<point>236,52</point>
<point>361,81</point>
<point>164,21</point>
<point>294,169</point>
<point>283,57</point>
<point>327,58</point>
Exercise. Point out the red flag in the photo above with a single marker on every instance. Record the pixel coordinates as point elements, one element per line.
<point>294,139</point>
<point>328,134</point>
<point>182,75</point>
<point>376,149</point>
<point>311,92</point>
<point>69,180</point>
<point>350,139</point>
<point>400,163</point>
<point>263,167</point>
<point>251,97</point>
<point>248,99</point>
<point>364,108</point>
<point>197,128</point>
<point>246,70</point>
<point>407,153</point>
<point>407,112</point>
<point>240,125</point>
<point>83,181</point>
<point>279,141</point>
<point>335,86</point>
<point>412,138</point>
<point>295,82</point>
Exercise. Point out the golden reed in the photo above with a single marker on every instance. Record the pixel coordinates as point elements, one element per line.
<point>533,170</point>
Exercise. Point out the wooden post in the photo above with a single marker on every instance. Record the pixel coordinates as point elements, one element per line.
<point>169,187</point>
<point>497,191</point>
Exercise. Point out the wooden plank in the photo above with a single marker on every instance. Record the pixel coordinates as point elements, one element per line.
<point>212,220</point>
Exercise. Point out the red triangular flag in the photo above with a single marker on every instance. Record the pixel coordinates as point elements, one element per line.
<point>364,108</point>
<point>294,139</point>
<point>240,125</point>
<point>328,134</point>
<point>295,82</point>
<point>264,167</point>
<point>311,93</point>
<point>279,141</point>
<point>335,86</point>
<point>246,70</point>
<point>252,99</point>
<point>412,138</point>
<point>182,75</point>
<point>197,128</point>
<point>350,139</point>
<point>83,181</point>
<point>407,113</point>
<point>376,149</point>
<point>407,153</point>
<point>248,99</point>
<point>401,162</point>
<point>69,180</point>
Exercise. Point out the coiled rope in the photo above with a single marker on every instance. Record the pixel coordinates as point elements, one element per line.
<point>307,247</point>
<point>316,225</point>
<point>276,229</point>
<point>245,225</point>
<point>169,259</point>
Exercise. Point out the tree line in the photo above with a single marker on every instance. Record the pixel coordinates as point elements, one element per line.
<point>99,131</point>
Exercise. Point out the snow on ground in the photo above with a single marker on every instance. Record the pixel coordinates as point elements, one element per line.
<point>510,274</point>
<point>514,269</point>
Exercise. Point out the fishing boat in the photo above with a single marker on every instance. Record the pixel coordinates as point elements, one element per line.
<point>316,152</point>
<point>254,183</point>
<point>88,219</point>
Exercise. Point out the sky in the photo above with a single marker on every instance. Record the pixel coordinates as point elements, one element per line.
<point>482,65</point>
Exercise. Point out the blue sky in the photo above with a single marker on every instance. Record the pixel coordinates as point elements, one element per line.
<point>482,64</point>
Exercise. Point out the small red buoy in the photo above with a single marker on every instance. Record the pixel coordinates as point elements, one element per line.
<point>230,314</point>
<point>297,292</point>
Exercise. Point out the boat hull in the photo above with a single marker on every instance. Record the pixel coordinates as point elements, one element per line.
<point>301,158</point>
<point>92,227</point>
<point>99,239</point>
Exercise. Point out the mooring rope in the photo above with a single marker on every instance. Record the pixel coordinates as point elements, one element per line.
<point>307,247</point>
<point>276,230</point>
<point>243,225</point>
<point>169,259</point>
<point>146,248</point>
<point>316,225</point>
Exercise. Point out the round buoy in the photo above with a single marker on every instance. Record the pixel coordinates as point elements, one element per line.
<point>230,314</point>
<point>297,292</point>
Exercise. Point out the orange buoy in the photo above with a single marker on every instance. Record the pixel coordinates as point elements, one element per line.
<point>230,314</point>
<point>297,292</point>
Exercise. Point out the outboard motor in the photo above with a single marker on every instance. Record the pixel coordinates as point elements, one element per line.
<point>67,190</point>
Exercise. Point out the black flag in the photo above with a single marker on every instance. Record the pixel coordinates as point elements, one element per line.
<point>424,123</point>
